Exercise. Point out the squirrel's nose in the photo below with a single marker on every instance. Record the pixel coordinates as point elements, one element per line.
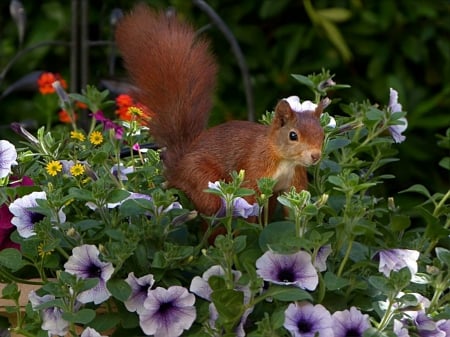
<point>315,156</point>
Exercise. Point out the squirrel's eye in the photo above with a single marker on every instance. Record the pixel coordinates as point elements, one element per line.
<point>293,136</point>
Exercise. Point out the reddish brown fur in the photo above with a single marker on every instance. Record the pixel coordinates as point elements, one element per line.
<point>176,75</point>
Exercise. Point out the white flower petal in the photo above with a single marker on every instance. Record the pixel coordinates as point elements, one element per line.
<point>8,156</point>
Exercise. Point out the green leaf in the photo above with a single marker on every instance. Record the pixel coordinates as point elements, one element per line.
<point>304,80</point>
<point>337,143</point>
<point>276,233</point>
<point>229,304</point>
<point>288,293</point>
<point>443,255</point>
<point>400,222</point>
<point>12,259</point>
<point>117,196</point>
<point>380,283</point>
<point>82,316</point>
<point>119,289</point>
<point>417,188</point>
<point>11,292</point>
<point>81,194</point>
<point>335,14</point>
<point>445,163</point>
<point>333,282</point>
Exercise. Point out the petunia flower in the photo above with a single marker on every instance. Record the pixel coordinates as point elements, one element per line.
<point>89,332</point>
<point>293,269</point>
<point>167,312</point>
<point>139,290</point>
<point>120,171</point>
<point>399,329</point>
<point>396,259</point>
<point>350,323</point>
<point>85,263</point>
<point>307,320</point>
<point>297,106</point>
<point>426,327</point>
<point>394,106</point>
<point>241,207</point>
<point>52,320</point>
<point>201,288</point>
<point>25,218</point>
<point>108,124</point>
<point>8,156</point>
<point>321,258</point>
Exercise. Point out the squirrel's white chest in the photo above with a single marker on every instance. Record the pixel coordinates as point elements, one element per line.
<point>284,175</point>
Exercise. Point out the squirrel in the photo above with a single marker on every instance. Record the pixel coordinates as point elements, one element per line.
<point>175,73</point>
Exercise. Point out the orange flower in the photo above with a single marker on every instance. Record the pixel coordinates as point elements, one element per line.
<point>45,82</point>
<point>81,105</point>
<point>128,109</point>
<point>124,100</point>
<point>64,117</point>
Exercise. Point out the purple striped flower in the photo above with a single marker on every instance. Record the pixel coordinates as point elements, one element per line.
<point>167,312</point>
<point>394,106</point>
<point>89,332</point>
<point>52,320</point>
<point>293,269</point>
<point>85,263</point>
<point>139,290</point>
<point>396,259</point>
<point>350,323</point>
<point>25,217</point>
<point>307,320</point>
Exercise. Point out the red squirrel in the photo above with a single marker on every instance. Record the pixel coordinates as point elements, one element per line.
<point>175,74</point>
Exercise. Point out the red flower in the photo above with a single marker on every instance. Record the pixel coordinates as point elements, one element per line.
<point>64,117</point>
<point>45,82</point>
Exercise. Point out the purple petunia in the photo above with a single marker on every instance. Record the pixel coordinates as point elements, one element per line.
<point>85,263</point>
<point>396,259</point>
<point>8,156</point>
<point>52,320</point>
<point>89,332</point>
<point>321,258</point>
<point>307,320</point>
<point>108,124</point>
<point>139,290</point>
<point>24,218</point>
<point>350,323</point>
<point>167,312</point>
<point>241,207</point>
<point>293,269</point>
<point>395,106</point>
<point>426,327</point>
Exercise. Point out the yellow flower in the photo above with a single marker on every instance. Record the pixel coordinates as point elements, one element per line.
<point>53,167</point>
<point>77,169</point>
<point>134,110</point>
<point>42,252</point>
<point>77,135</point>
<point>96,138</point>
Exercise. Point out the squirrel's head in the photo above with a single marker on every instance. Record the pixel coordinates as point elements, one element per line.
<point>297,135</point>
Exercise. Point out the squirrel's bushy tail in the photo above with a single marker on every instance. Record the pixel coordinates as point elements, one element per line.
<point>174,73</point>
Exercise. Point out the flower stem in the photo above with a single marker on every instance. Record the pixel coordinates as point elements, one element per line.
<point>346,256</point>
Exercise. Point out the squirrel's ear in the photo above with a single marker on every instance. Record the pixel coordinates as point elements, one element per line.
<point>321,107</point>
<point>283,113</point>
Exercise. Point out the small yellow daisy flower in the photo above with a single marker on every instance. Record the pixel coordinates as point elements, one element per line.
<point>53,167</point>
<point>134,110</point>
<point>77,135</point>
<point>77,169</point>
<point>96,137</point>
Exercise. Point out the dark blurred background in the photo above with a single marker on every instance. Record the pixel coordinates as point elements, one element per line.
<point>371,45</point>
